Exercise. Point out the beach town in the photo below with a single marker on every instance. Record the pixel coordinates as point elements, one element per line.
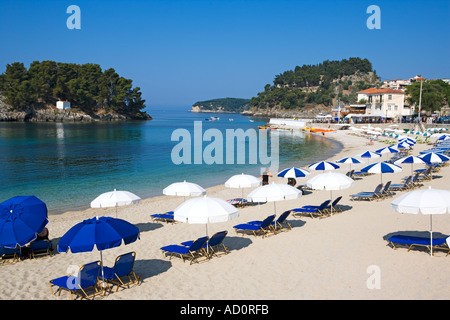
<point>345,229</point>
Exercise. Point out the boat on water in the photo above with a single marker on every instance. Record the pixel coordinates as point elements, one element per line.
<point>212,119</point>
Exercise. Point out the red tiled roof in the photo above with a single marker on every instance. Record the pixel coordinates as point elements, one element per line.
<point>375,90</point>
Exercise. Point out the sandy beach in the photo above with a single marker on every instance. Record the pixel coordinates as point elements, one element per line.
<point>330,258</point>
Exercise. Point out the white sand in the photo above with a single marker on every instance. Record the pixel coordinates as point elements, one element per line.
<point>327,258</point>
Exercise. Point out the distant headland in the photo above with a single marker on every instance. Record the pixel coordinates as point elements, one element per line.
<point>89,93</point>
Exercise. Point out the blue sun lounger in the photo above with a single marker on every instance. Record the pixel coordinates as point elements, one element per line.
<point>312,210</point>
<point>263,228</point>
<point>122,273</point>
<point>279,223</point>
<point>214,245</point>
<point>166,217</point>
<point>192,253</point>
<point>87,278</point>
<point>412,241</point>
<point>9,255</point>
<point>376,194</point>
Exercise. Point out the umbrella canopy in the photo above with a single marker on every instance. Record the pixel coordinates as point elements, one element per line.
<point>386,150</point>
<point>102,233</point>
<point>330,181</point>
<point>408,141</point>
<point>349,160</point>
<point>409,159</point>
<point>274,192</point>
<point>390,149</point>
<point>369,154</point>
<point>432,157</point>
<point>115,199</point>
<point>293,173</point>
<point>21,219</point>
<point>426,201</point>
<point>382,167</point>
<point>205,210</point>
<point>323,165</point>
<point>403,145</point>
<point>242,181</point>
<point>184,189</point>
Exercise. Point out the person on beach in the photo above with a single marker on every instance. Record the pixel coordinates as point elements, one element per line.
<point>43,235</point>
<point>265,176</point>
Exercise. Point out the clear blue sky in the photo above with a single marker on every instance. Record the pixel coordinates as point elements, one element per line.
<point>182,51</point>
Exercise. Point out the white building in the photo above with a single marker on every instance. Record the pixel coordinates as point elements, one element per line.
<point>63,105</point>
<point>386,103</point>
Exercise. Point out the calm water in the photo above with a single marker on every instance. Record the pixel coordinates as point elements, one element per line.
<point>67,165</point>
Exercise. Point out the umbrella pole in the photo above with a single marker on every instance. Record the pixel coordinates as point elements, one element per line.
<point>331,204</point>
<point>103,274</point>
<point>431,233</point>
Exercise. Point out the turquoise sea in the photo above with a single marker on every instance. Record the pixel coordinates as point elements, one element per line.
<point>67,165</point>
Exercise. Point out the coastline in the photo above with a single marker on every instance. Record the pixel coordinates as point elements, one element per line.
<point>318,259</point>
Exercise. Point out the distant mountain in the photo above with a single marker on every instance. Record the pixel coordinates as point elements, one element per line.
<point>225,105</point>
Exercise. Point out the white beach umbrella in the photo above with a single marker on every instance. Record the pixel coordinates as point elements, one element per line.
<point>184,189</point>
<point>241,181</point>
<point>204,210</point>
<point>427,201</point>
<point>330,181</point>
<point>115,199</point>
<point>274,192</point>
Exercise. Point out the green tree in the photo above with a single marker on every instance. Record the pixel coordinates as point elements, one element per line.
<point>434,94</point>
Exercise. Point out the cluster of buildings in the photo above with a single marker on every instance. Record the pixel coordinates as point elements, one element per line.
<point>385,104</point>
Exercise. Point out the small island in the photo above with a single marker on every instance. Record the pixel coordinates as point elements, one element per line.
<point>222,105</point>
<point>32,95</point>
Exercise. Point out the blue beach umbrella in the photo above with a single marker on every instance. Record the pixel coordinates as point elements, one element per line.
<point>409,159</point>
<point>323,165</point>
<point>403,145</point>
<point>102,233</point>
<point>369,154</point>
<point>349,160</point>
<point>21,219</point>
<point>382,167</point>
<point>386,150</point>
<point>408,141</point>
<point>433,157</point>
<point>293,173</point>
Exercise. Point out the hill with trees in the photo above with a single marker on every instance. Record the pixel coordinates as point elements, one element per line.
<point>90,90</point>
<point>320,85</point>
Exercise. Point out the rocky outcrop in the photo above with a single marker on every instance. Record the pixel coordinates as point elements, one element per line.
<point>51,114</point>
